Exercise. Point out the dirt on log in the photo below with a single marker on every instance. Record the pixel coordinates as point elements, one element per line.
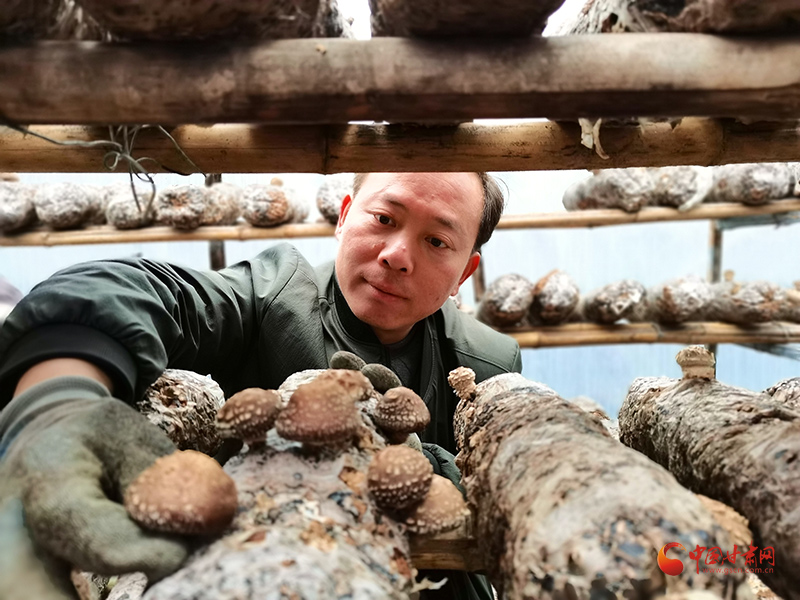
<point>562,510</point>
<point>734,445</point>
<point>306,528</point>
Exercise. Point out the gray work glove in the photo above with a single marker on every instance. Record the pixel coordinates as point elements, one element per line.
<point>69,451</point>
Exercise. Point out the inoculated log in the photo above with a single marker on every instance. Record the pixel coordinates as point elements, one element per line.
<point>16,206</point>
<point>752,183</point>
<point>746,303</point>
<point>273,204</point>
<point>555,297</point>
<point>439,18</point>
<point>306,526</point>
<point>565,511</point>
<point>604,16</point>
<point>240,19</point>
<point>331,193</point>
<point>619,300</point>
<point>506,301</point>
<point>787,392</point>
<point>678,301</point>
<point>734,445</point>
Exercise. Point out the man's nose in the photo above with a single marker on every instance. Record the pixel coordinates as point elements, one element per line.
<point>396,254</point>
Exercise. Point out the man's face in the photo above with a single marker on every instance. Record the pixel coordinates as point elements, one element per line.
<point>406,245</point>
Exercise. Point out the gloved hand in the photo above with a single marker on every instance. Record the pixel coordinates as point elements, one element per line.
<point>443,464</point>
<point>68,451</point>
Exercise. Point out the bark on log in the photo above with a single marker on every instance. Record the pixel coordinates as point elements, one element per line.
<point>306,528</point>
<point>16,206</point>
<point>331,193</point>
<point>555,297</point>
<point>702,16</point>
<point>619,300</point>
<point>272,205</point>
<point>734,445</point>
<point>565,511</point>
<point>787,392</point>
<point>506,301</point>
<point>439,18</point>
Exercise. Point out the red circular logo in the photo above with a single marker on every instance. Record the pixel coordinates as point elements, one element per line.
<point>670,566</point>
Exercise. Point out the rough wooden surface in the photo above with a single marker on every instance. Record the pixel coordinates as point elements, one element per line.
<point>396,79</point>
<point>564,510</point>
<point>734,445</point>
<point>371,148</point>
<point>440,18</point>
<point>752,183</point>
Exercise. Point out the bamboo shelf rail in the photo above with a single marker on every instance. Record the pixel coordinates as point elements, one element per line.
<point>532,146</point>
<point>588,218</point>
<point>589,334</point>
<point>401,80</point>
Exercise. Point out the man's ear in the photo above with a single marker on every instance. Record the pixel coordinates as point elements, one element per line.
<point>346,203</point>
<point>472,264</point>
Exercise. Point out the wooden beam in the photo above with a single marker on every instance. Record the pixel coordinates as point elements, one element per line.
<point>456,550</point>
<point>533,146</point>
<point>556,220</point>
<point>589,334</point>
<point>397,79</point>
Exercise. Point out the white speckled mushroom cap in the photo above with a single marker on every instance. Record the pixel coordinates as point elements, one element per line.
<point>398,478</point>
<point>185,492</point>
<point>401,411</point>
<point>443,509</point>
<point>695,356</point>
<point>354,382</point>
<point>462,380</point>
<point>320,412</point>
<point>248,415</point>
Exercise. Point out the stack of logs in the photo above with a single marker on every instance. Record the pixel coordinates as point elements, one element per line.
<point>560,508</point>
<point>514,301</point>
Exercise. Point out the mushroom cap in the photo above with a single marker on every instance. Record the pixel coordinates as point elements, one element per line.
<point>398,478</point>
<point>248,415</point>
<point>321,411</point>
<point>185,492</point>
<point>443,509</point>
<point>356,384</point>
<point>343,359</point>
<point>401,411</point>
<point>695,356</point>
<point>462,380</point>
<point>381,376</point>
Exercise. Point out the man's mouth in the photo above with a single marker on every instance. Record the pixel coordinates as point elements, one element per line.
<point>386,289</point>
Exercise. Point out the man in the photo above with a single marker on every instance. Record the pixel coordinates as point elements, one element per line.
<point>107,330</point>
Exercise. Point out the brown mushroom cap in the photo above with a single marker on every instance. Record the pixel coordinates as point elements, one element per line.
<point>696,363</point>
<point>401,411</point>
<point>462,380</point>
<point>320,412</point>
<point>398,478</point>
<point>185,492</point>
<point>356,384</point>
<point>248,415</point>
<point>443,509</point>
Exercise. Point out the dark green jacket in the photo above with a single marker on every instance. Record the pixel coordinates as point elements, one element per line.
<point>250,325</point>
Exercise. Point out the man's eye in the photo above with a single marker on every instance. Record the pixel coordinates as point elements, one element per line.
<point>437,243</point>
<point>383,219</point>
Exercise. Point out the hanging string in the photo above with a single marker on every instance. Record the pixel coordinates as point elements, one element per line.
<point>121,142</point>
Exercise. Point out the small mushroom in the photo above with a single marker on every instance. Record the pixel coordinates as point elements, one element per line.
<point>382,377</point>
<point>185,492</point>
<point>443,509</point>
<point>696,363</point>
<point>398,478</point>
<point>347,360</point>
<point>248,415</point>
<point>320,412</point>
<point>401,411</point>
<point>462,380</point>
